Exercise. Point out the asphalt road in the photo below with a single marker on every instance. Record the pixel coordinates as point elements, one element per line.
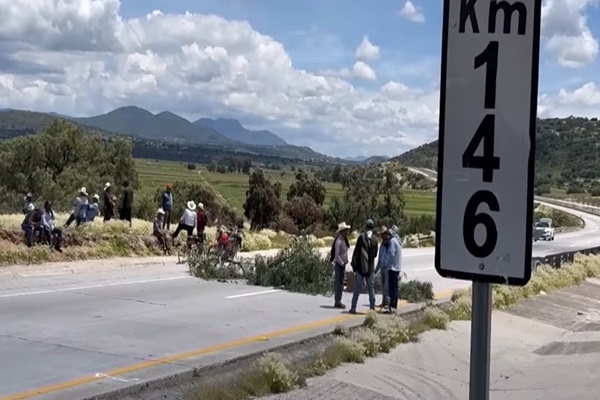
<point>97,319</point>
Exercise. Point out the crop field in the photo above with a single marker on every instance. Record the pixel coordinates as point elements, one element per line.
<point>155,174</point>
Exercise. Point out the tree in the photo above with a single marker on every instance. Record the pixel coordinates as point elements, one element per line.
<point>336,175</point>
<point>57,161</point>
<point>213,166</point>
<point>233,165</point>
<point>191,166</point>
<point>304,212</point>
<point>307,186</point>
<point>392,205</point>
<point>263,203</point>
<point>246,166</point>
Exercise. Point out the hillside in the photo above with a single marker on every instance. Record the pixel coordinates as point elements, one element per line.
<point>15,123</point>
<point>136,121</point>
<point>233,129</point>
<point>567,154</point>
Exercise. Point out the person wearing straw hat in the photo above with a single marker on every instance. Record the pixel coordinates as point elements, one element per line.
<point>81,203</point>
<point>27,202</point>
<point>339,259</point>
<point>109,202</point>
<point>158,232</point>
<point>93,209</point>
<point>187,221</point>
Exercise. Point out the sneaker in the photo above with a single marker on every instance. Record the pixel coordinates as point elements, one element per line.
<point>340,306</point>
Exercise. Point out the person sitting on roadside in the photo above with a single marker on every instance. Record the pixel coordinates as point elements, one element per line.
<point>79,208</point>
<point>27,202</point>
<point>188,221</point>
<point>93,209</point>
<point>51,232</point>
<point>158,230</point>
<point>32,224</point>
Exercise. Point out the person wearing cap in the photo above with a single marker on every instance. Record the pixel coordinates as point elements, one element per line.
<point>126,211</point>
<point>93,209</point>
<point>109,202</point>
<point>382,266</point>
<point>187,221</point>
<point>51,232</point>
<point>339,258</point>
<point>167,206</point>
<point>394,269</point>
<point>79,208</point>
<point>27,202</point>
<point>363,265</point>
<point>158,230</point>
<point>201,222</point>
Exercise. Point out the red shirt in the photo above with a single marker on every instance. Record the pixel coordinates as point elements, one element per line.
<point>201,220</point>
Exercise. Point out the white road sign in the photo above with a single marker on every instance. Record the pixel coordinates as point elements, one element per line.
<point>488,105</point>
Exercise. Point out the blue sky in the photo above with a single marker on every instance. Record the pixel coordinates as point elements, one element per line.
<point>293,70</point>
<point>324,35</point>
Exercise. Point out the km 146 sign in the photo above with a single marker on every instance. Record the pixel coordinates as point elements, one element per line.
<point>488,105</point>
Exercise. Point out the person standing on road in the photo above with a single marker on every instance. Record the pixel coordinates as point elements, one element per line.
<point>167,206</point>
<point>339,258</point>
<point>127,203</point>
<point>394,267</point>
<point>382,268</point>
<point>363,265</point>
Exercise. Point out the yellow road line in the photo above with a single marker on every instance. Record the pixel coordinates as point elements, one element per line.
<point>190,354</point>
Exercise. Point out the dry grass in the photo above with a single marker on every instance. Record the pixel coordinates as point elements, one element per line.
<point>274,374</point>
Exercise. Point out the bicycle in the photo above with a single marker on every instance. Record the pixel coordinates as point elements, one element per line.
<point>191,244</point>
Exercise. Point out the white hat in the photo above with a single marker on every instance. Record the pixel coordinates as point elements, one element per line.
<point>106,185</point>
<point>83,191</point>
<point>191,205</point>
<point>201,206</point>
<point>96,197</point>
<point>28,195</point>
<point>342,227</point>
<point>160,211</point>
<point>30,207</point>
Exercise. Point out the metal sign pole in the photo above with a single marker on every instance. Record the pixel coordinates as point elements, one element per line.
<point>481,330</point>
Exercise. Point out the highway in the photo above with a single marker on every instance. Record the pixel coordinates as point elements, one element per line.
<point>80,328</point>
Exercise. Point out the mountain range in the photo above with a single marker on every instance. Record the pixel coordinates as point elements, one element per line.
<point>221,135</point>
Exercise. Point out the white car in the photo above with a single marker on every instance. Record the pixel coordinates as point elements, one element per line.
<point>543,230</point>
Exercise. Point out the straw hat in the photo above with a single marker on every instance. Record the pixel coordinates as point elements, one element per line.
<point>106,185</point>
<point>342,227</point>
<point>160,211</point>
<point>96,197</point>
<point>191,205</point>
<point>83,191</point>
<point>201,206</point>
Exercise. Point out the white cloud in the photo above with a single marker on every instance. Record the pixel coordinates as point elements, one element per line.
<point>81,57</point>
<point>412,12</point>
<point>367,51</point>
<point>582,101</point>
<point>568,37</point>
<point>363,71</point>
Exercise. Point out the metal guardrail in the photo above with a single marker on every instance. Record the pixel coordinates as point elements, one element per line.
<point>556,260</point>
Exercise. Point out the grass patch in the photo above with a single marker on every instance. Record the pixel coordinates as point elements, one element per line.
<point>381,334</point>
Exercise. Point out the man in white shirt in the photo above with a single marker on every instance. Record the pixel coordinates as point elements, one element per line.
<point>51,232</point>
<point>188,221</point>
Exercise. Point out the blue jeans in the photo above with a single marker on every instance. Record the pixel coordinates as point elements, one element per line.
<point>393,288</point>
<point>370,289</point>
<point>28,229</point>
<point>338,284</point>
<point>385,293</point>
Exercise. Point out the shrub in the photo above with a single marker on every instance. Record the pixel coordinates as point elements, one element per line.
<point>275,370</point>
<point>299,268</point>
<point>415,291</point>
<point>368,339</point>
<point>349,350</point>
<point>435,318</point>
<point>257,241</point>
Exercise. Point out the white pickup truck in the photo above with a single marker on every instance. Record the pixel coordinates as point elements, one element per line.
<point>543,230</point>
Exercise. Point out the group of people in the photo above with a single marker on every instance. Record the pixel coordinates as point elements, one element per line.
<point>39,224</point>
<point>194,217</point>
<point>365,267</point>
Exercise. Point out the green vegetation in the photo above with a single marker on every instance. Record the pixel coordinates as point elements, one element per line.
<point>275,373</point>
<point>566,157</point>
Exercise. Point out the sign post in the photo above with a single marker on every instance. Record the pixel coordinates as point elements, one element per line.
<point>488,107</point>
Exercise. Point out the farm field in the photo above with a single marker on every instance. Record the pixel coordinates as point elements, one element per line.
<point>155,174</point>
